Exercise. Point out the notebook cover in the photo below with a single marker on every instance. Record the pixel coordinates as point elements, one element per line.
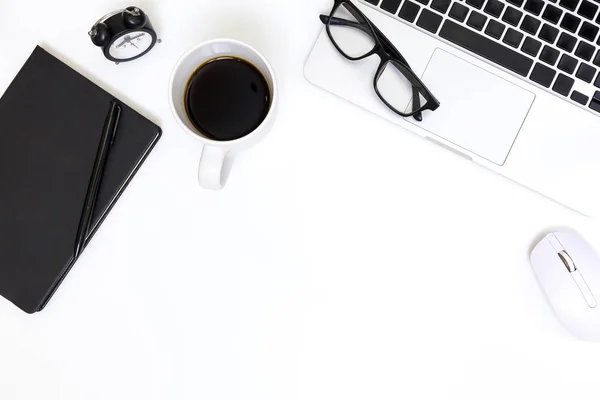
<point>51,120</point>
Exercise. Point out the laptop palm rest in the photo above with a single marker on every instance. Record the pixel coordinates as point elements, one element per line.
<point>479,111</point>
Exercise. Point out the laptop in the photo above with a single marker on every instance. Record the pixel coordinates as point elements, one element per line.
<point>518,82</point>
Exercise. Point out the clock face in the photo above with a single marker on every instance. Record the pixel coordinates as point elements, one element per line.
<point>130,45</point>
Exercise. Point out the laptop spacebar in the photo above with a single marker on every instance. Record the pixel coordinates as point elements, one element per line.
<point>485,47</point>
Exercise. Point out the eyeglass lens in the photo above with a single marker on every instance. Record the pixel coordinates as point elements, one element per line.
<point>351,34</point>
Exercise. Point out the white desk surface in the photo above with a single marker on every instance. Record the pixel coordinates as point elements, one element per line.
<point>346,259</point>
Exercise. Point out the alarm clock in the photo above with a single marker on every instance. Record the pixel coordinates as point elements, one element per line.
<point>124,35</point>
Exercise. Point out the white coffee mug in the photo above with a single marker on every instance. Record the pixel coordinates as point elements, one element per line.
<point>210,172</point>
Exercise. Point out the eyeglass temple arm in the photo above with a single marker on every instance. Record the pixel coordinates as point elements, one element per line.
<point>390,48</point>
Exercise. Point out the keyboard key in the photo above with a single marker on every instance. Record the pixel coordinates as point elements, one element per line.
<point>563,84</point>
<point>512,16</point>
<point>494,7</point>
<point>424,2</point>
<point>552,14</point>
<point>429,20</point>
<point>570,22</point>
<point>579,97</point>
<point>534,6</point>
<point>409,11</point>
<point>588,31</point>
<point>549,55</point>
<point>374,2</point>
<point>495,29</point>
<point>567,64</point>
<point>476,20</point>
<point>569,4</point>
<point>531,46</point>
<point>440,5</point>
<point>542,75</point>
<point>390,6</point>
<point>566,42</point>
<point>530,24</point>
<point>475,3</point>
<point>595,103</point>
<point>586,72</point>
<point>486,48</point>
<point>517,3</point>
<point>597,59</point>
<point>587,9</point>
<point>458,12</point>
<point>585,51</point>
<point>597,81</point>
<point>548,33</point>
<point>513,38</point>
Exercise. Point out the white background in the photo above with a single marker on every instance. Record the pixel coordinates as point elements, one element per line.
<point>346,259</point>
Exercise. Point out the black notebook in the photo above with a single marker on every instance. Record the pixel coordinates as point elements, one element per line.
<point>51,121</point>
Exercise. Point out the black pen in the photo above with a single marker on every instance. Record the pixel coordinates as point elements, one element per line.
<point>108,135</point>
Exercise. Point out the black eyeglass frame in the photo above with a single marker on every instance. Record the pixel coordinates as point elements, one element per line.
<point>387,52</point>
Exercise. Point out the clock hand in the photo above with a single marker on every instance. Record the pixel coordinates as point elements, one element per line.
<point>135,37</point>
<point>133,44</point>
<point>126,40</point>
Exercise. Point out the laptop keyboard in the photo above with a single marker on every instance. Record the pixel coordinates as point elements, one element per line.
<point>554,43</point>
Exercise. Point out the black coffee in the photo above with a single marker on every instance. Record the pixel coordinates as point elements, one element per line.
<point>227,98</point>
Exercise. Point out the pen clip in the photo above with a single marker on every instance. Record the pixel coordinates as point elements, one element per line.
<point>114,117</point>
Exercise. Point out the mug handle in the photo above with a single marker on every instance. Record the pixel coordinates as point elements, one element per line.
<point>210,171</point>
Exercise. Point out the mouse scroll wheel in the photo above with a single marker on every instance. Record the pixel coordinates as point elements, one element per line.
<point>568,261</point>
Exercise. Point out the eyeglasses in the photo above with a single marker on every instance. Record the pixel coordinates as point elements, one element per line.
<point>356,38</point>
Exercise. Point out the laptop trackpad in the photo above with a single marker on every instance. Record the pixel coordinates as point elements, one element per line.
<point>479,112</point>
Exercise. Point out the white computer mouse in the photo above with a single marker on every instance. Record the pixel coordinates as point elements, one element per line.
<point>568,269</point>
